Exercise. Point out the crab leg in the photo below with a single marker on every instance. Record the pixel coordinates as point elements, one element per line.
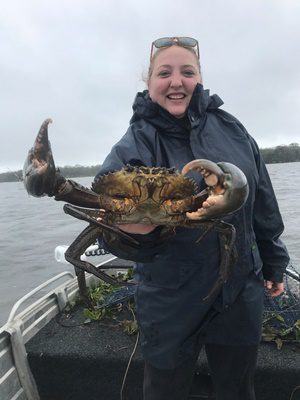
<point>93,216</point>
<point>86,238</point>
<point>228,255</point>
<point>227,188</point>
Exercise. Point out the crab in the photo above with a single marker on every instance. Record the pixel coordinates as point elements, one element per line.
<point>140,195</point>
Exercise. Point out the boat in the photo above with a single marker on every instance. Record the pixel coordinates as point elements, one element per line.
<point>48,353</point>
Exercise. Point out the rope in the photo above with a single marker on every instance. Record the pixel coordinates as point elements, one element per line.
<point>130,358</point>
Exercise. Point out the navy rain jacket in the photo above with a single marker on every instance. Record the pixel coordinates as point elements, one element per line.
<point>175,275</point>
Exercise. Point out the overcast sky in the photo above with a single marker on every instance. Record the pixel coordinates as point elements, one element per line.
<point>81,63</point>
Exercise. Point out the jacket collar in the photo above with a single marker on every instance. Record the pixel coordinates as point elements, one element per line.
<point>201,102</point>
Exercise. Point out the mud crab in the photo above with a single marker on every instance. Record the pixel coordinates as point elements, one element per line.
<point>140,195</point>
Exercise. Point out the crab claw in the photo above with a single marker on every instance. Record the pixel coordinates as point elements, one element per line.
<point>39,168</point>
<point>227,188</point>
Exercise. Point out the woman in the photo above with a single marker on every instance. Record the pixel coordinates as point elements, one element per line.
<point>174,122</point>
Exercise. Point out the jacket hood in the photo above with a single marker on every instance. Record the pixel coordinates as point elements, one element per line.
<point>201,102</point>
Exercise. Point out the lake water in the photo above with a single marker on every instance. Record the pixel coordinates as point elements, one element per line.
<point>31,229</point>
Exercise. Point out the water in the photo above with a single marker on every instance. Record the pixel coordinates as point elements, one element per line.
<point>31,229</point>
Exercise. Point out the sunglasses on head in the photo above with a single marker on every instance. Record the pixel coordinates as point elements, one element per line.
<point>171,41</point>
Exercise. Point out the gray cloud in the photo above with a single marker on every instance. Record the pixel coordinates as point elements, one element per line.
<point>81,63</point>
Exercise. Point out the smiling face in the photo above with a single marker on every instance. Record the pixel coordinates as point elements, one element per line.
<point>174,75</point>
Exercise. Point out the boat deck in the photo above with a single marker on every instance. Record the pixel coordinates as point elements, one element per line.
<point>48,353</point>
<point>72,360</point>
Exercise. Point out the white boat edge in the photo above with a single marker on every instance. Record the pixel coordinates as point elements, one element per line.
<point>16,380</point>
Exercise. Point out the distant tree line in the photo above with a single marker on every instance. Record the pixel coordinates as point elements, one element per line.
<point>78,171</point>
<point>272,155</point>
<point>281,154</point>
<point>68,171</point>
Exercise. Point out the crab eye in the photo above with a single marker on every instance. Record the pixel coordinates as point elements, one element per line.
<point>120,196</point>
<point>176,196</point>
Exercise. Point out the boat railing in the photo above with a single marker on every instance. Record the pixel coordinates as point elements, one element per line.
<point>16,380</point>
<point>61,295</point>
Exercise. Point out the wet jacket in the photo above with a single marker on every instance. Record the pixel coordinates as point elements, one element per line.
<point>176,274</point>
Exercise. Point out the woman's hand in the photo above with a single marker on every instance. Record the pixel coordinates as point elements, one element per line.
<point>274,288</point>
<point>137,228</point>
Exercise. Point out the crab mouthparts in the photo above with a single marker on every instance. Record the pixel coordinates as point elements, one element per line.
<point>146,220</point>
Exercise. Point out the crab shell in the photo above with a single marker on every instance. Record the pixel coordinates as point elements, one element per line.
<point>162,196</point>
<point>158,196</point>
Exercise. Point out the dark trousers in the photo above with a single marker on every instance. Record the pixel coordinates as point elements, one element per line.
<point>232,370</point>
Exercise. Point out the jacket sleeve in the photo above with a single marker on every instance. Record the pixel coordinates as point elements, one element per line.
<point>135,149</point>
<point>268,225</point>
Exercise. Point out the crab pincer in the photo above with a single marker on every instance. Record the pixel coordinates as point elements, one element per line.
<point>39,173</point>
<point>227,188</point>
